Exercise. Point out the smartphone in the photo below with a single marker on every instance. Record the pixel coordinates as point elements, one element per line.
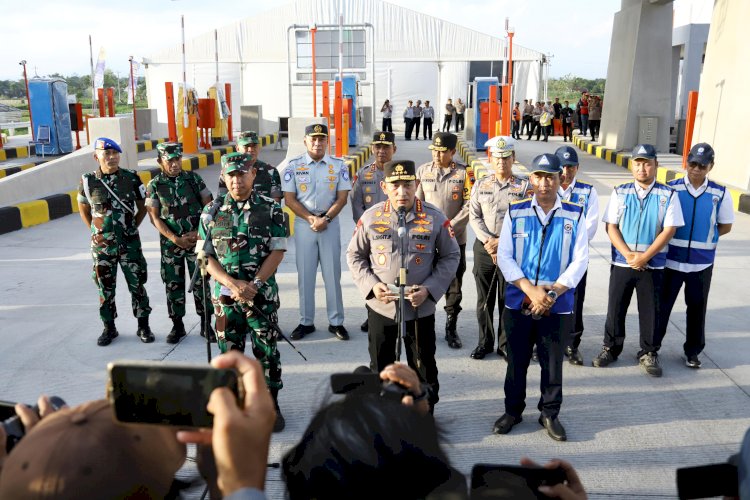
<point>173,394</point>
<point>344,383</point>
<point>7,410</point>
<point>713,480</point>
<point>512,481</point>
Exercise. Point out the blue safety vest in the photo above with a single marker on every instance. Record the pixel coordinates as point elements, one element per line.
<point>640,221</point>
<point>581,194</point>
<point>695,242</point>
<point>543,252</point>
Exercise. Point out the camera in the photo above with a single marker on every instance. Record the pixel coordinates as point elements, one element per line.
<point>13,427</point>
<point>364,381</point>
<point>511,481</point>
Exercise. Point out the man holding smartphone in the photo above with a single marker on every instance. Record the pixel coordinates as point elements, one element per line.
<point>432,259</point>
<point>543,252</point>
<point>247,241</point>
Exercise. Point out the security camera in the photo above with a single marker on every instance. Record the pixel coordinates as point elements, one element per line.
<point>23,63</point>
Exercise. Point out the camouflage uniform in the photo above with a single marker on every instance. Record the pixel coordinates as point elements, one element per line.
<point>179,202</point>
<point>115,239</point>
<point>243,234</point>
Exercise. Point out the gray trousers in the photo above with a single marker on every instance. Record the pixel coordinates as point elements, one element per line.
<point>311,248</point>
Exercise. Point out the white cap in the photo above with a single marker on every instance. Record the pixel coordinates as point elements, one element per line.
<point>501,146</point>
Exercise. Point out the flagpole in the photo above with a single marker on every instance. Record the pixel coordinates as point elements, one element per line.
<point>185,120</point>
<point>132,92</point>
<point>93,88</point>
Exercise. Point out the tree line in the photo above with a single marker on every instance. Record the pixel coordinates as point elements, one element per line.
<point>570,87</point>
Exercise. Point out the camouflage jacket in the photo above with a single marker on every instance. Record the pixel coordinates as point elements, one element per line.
<point>178,200</point>
<point>112,224</point>
<point>243,234</point>
<point>267,181</point>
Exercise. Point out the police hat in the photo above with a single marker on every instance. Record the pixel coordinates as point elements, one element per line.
<point>567,156</point>
<point>169,150</point>
<point>501,146</point>
<point>250,137</point>
<point>316,129</point>
<point>443,141</point>
<point>236,162</point>
<point>107,143</point>
<point>388,138</point>
<point>399,170</point>
<point>645,151</point>
<point>546,163</point>
<point>701,153</point>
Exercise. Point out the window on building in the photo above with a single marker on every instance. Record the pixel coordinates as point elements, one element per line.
<point>327,53</point>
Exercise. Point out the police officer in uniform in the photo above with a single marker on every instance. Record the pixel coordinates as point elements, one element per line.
<point>111,205</point>
<point>447,185</point>
<point>543,253</point>
<point>709,213</point>
<point>490,199</point>
<point>366,191</point>
<point>374,259</point>
<point>174,202</point>
<point>315,188</point>
<point>246,245</point>
<point>574,190</point>
<point>267,178</point>
<point>642,216</point>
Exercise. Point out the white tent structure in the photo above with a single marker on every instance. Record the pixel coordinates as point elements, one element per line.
<point>399,54</point>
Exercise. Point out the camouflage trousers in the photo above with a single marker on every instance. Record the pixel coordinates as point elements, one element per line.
<point>234,321</point>
<point>133,265</point>
<point>173,260</point>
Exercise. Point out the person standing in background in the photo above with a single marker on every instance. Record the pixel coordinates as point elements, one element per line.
<point>387,110</point>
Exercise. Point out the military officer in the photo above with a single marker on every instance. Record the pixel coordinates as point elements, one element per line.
<point>315,188</point>
<point>247,244</point>
<point>174,201</point>
<point>366,190</point>
<point>267,178</point>
<point>374,259</point>
<point>489,202</point>
<point>575,190</point>
<point>111,204</point>
<point>447,184</point>
<point>543,252</point>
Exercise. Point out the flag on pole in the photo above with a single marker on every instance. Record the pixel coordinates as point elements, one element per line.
<point>131,84</point>
<point>99,74</point>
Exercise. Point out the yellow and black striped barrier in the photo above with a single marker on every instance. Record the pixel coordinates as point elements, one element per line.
<point>16,152</point>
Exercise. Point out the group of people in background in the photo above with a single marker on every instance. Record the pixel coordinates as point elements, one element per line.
<point>422,116</point>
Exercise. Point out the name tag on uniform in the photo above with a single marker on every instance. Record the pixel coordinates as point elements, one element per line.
<point>520,235</point>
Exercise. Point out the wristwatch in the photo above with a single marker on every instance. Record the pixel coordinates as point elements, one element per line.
<point>258,283</point>
<point>327,218</point>
<point>552,294</point>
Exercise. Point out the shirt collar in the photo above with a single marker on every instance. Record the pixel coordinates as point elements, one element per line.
<point>690,186</point>
<point>558,203</point>
<point>642,190</point>
<point>563,192</point>
<point>309,160</point>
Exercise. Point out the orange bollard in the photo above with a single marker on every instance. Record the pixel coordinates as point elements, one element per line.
<point>327,108</point>
<point>505,110</point>
<point>100,95</point>
<point>228,95</point>
<point>492,112</point>
<point>171,125</point>
<point>689,124</point>
<point>337,118</point>
<point>111,101</point>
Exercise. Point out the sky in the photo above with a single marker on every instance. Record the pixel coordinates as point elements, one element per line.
<point>575,32</point>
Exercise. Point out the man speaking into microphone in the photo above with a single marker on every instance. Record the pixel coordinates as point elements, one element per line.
<point>374,257</point>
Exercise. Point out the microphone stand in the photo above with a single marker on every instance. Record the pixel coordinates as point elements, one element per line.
<point>201,269</point>
<point>401,281</point>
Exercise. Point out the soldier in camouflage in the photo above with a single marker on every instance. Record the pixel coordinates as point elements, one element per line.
<point>174,200</point>
<point>267,179</point>
<point>246,244</point>
<point>110,202</point>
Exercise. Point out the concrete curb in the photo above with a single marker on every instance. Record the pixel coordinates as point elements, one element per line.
<point>8,171</point>
<point>740,199</point>
<point>16,152</point>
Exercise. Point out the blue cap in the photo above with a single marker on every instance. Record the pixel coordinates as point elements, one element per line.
<point>701,153</point>
<point>567,156</point>
<point>546,163</point>
<point>645,151</point>
<point>107,143</point>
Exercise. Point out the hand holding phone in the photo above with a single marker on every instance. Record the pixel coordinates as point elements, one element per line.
<point>490,481</point>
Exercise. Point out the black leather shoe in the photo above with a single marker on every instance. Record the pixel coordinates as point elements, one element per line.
<point>177,332</point>
<point>208,329</point>
<point>144,333</point>
<point>108,335</point>
<point>502,353</point>
<point>364,326</point>
<point>555,430</point>
<point>454,342</point>
<point>574,356</point>
<point>301,330</point>
<point>480,352</point>
<point>504,424</point>
<point>339,331</point>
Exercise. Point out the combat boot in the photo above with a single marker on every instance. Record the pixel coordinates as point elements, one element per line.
<point>280,423</point>
<point>108,334</point>
<point>144,331</point>
<point>451,336</point>
<point>206,327</point>
<point>177,332</point>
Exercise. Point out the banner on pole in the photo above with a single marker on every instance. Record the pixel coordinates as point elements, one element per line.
<point>131,83</point>
<point>99,73</point>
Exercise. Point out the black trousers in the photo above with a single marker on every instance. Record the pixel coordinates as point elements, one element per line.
<point>453,296</point>
<point>535,127</point>
<point>490,289</point>
<point>594,126</point>
<point>447,119</point>
<point>459,121</point>
<point>697,286</point>
<point>427,126</point>
<point>523,333</point>
<point>567,129</point>
<point>387,125</point>
<point>577,324</point>
<point>515,133</point>
<point>419,345</point>
<point>647,285</point>
<point>409,127</point>
<point>417,121</point>
<point>526,124</point>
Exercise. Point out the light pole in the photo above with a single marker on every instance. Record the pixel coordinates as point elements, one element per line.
<point>132,91</point>
<point>28,99</point>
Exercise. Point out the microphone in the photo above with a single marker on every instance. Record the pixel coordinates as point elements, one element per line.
<point>401,231</point>
<point>206,218</point>
<point>401,222</point>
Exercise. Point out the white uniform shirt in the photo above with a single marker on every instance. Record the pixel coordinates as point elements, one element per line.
<point>592,211</point>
